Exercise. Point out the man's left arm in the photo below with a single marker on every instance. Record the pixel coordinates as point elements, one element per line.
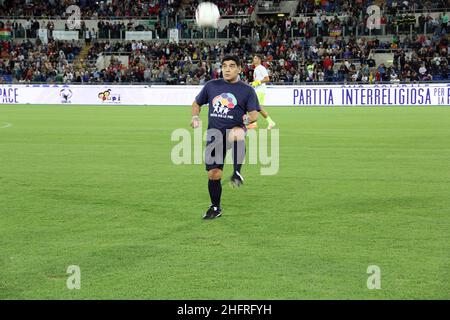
<point>265,80</point>
<point>259,82</point>
<point>253,107</point>
<point>252,116</point>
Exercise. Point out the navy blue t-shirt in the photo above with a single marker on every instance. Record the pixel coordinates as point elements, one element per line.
<point>228,103</point>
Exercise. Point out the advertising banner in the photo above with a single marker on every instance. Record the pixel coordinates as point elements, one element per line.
<point>295,96</point>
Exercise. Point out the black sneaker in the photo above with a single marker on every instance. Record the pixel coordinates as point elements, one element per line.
<point>236,180</point>
<point>213,212</point>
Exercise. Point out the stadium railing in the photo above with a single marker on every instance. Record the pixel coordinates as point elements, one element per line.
<point>237,27</point>
<point>228,34</point>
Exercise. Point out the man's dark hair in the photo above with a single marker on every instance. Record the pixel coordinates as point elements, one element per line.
<point>259,56</point>
<point>232,58</point>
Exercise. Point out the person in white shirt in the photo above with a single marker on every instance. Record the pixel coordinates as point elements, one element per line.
<point>93,35</point>
<point>87,36</point>
<point>260,78</point>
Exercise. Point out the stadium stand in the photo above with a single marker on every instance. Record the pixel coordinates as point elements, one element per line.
<point>315,42</point>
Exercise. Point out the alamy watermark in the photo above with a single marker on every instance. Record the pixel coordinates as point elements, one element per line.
<point>74,280</point>
<point>262,148</point>
<point>74,20</point>
<point>374,18</point>
<point>374,280</point>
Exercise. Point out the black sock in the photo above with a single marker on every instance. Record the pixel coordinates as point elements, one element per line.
<point>215,192</point>
<point>238,155</point>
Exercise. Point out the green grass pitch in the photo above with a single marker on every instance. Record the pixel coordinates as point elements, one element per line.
<point>95,187</point>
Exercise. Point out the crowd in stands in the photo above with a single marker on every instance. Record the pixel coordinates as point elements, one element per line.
<point>349,21</point>
<point>227,8</point>
<point>289,61</point>
<point>89,8</point>
<point>333,7</point>
<point>38,62</point>
<point>352,16</point>
<point>94,9</point>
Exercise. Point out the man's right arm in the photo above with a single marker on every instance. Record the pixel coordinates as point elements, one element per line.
<point>200,99</point>
<point>195,122</point>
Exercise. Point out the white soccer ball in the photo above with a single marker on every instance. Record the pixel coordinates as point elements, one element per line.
<point>207,15</point>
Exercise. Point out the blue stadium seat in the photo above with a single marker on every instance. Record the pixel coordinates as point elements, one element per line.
<point>7,78</point>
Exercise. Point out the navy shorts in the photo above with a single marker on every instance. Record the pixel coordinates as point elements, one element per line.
<point>216,149</point>
<point>217,145</point>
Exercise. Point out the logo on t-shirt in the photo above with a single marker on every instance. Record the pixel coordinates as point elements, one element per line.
<point>222,104</point>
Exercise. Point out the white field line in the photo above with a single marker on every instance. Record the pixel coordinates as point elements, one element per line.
<point>6,125</point>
